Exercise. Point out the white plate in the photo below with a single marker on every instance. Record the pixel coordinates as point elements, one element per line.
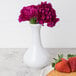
<point>46,70</point>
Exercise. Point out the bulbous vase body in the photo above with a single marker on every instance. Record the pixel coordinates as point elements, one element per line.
<point>36,56</point>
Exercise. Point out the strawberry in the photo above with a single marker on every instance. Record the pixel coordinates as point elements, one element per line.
<point>63,66</point>
<point>72,62</point>
<point>63,59</point>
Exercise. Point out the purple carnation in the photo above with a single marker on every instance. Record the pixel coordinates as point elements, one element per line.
<point>52,23</point>
<point>44,13</point>
<point>27,13</point>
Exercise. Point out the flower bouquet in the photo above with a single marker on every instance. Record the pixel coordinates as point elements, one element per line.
<point>37,15</point>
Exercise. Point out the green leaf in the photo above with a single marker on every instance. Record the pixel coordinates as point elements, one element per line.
<point>57,60</point>
<point>60,56</point>
<point>53,64</point>
<point>33,20</point>
<point>70,55</point>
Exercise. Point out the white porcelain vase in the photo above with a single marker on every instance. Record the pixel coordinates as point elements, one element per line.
<point>36,56</point>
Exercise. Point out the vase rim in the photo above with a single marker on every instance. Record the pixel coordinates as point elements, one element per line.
<point>36,25</point>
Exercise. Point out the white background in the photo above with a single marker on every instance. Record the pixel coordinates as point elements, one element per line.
<point>18,35</point>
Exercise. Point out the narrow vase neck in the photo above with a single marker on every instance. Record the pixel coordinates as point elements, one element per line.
<point>36,35</point>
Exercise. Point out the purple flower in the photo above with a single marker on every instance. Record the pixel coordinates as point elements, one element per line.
<point>27,13</point>
<point>44,13</point>
<point>52,23</point>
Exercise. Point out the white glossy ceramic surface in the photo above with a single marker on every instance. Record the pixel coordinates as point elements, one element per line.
<point>36,56</point>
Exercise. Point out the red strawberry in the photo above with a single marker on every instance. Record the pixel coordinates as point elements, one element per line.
<point>72,62</point>
<point>63,66</point>
<point>63,59</point>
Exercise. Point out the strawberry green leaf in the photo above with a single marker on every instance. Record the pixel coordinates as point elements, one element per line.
<point>70,55</point>
<point>57,60</point>
<point>53,64</point>
<point>61,56</point>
